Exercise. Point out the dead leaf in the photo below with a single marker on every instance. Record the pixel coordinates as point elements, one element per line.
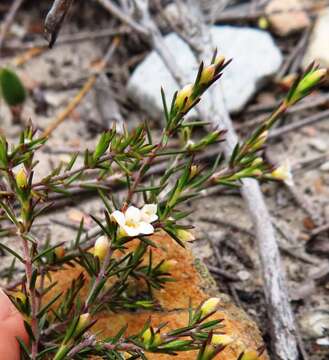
<point>308,223</point>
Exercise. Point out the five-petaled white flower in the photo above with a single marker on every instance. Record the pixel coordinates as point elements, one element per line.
<point>134,221</point>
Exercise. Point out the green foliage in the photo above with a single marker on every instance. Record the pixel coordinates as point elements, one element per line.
<point>61,327</point>
<point>11,87</point>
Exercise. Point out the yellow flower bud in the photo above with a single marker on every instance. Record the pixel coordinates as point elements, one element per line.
<point>263,23</point>
<point>157,339</point>
<point>258,161</point>
<point>250,355</point>
<point>182,95</point>
<point>261,140</point>
<point>256,172</point>
<point>219,61</point>
<point>194,171</point>
<point>167,266</point>
<point>21,179</point>
<point>217,340</point>
<point>20,296</point>
<point>307,83</point>
<point>221,339</point>
<point>147,336</point>
<point>209,306</point>
<point>60,252</point>
<point>83,322</point>
<point>207,74</point>
<point>311,79</point>
<point>101,247</point>
<point>185,235</point>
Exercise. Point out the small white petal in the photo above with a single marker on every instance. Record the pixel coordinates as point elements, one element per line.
<point>131,231</point>
<point>119,217</point>
<point>289,178</point>
<point>133,214</point>
<point>284,173</point>
<point>145,228</point>
<point>149,213</point>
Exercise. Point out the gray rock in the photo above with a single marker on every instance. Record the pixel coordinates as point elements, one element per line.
<point>318,48</point>
<point>325,167</point>
<point>255,60</point>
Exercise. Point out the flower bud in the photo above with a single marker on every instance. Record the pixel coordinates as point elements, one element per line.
<point>263,23</point>
<point>283,173</point>
<point>157,339</point>
<point>83,322</point>
<point>221,339</point>
<point>208,74</point>
<point>185,235</point>
<point>101,247</point>
<point>256,172</point>
<point>306,84</point>
<point>209,306</point>
<point>250,355</point>
<point>258,161</point>
<point>194,171</point>
<point>167,266</point>
<point>20,296</point>
<point>183,99</point>
<point>219,61</point>
<point>21,178</point>
<point>147,337</point>
<point>216,343</point>
<point>261,140</point>
<point>59,252</point>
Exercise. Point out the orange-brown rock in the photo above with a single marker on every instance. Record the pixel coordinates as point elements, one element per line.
<point>192,282</point>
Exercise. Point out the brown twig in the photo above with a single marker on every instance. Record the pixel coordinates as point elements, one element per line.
<point>55,18</point>
<point>323,115</point>
<point>126,19</point>
<point>9,20</point>
<point>293,55</point>
<point>320,229</point>
<point>226,274</point>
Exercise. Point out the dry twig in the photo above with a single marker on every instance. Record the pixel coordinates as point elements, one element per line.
<point>55,18</point>
<point>9,20</point>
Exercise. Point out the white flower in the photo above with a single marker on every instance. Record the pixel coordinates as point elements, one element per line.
<point>284,173</point>
<point>149,213</point>
<point>132,223</point>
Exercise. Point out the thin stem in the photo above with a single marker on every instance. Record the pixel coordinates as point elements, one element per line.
<point>146,163</point>
<point>99,278</point>
<point>42,185</point>
<point>32,293</point>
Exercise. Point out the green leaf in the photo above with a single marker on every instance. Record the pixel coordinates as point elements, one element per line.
<point>12,252</point>
<point>46,252</point>
<point>176,345</point>
<point>11,87</point>
<point>48,305</point>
